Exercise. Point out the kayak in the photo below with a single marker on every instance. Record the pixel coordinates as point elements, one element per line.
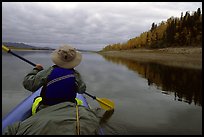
<point>23,110</point>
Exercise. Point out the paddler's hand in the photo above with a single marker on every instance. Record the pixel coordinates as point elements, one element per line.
<point>39,67</point>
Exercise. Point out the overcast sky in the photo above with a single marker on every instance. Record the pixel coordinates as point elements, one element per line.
<point>84,25</point>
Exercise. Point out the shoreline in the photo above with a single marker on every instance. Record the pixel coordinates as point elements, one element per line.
<point>30,49</point>
<point>188,57</point>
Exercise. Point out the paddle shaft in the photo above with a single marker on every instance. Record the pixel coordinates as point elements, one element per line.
<point>31,63</point>
<point>9,51</point>
<point>94,97</point>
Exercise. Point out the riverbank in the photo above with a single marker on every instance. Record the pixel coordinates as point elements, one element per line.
<point>188,57</point>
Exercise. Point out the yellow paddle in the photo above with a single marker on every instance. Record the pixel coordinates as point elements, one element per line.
<point>104,102</point>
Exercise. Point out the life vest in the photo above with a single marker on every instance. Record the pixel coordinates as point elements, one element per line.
<point>60,87</point>
<point>38,100</point>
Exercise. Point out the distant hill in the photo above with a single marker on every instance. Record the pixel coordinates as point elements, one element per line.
<point>14,45</point>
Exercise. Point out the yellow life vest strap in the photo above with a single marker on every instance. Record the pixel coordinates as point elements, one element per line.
<point>36,104</point>
<point>77,120</point>
<point>39,99</point>
<point>79,102</point>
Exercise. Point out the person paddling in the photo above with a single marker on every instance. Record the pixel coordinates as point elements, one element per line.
<point>61,81</point>
<point>54,111</point>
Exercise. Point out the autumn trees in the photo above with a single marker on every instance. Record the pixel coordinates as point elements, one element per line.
<point>183,31</point>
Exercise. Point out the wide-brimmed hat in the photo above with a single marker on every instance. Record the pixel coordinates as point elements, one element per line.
<point>66,57</point>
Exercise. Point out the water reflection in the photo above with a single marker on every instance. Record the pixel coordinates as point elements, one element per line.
<point>185,84</point>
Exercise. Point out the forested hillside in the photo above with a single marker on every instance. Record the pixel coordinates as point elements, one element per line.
<point>185,31</point>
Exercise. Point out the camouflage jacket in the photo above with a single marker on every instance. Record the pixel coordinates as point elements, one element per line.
<point>59,119</point>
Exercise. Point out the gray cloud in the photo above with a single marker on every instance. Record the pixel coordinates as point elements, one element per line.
<point>84,24</point>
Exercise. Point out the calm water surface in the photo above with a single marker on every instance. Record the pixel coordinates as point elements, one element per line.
<point>149,98</point>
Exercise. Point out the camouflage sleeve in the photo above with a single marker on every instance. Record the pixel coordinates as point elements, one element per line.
<point>81,86</point>
<point>35,79</point>
<point>11,129</point>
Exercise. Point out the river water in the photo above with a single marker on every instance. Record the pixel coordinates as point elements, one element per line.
<point>149,98</point>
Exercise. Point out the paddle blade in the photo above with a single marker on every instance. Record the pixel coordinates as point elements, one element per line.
<point>106,103</point>
<point>5,48</point>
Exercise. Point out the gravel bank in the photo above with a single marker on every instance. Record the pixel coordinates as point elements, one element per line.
<point>190,57</point>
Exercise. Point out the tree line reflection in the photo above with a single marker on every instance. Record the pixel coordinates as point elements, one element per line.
<point>184,83</point>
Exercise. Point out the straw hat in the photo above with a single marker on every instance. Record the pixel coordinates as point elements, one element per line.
<point>66,57</point>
